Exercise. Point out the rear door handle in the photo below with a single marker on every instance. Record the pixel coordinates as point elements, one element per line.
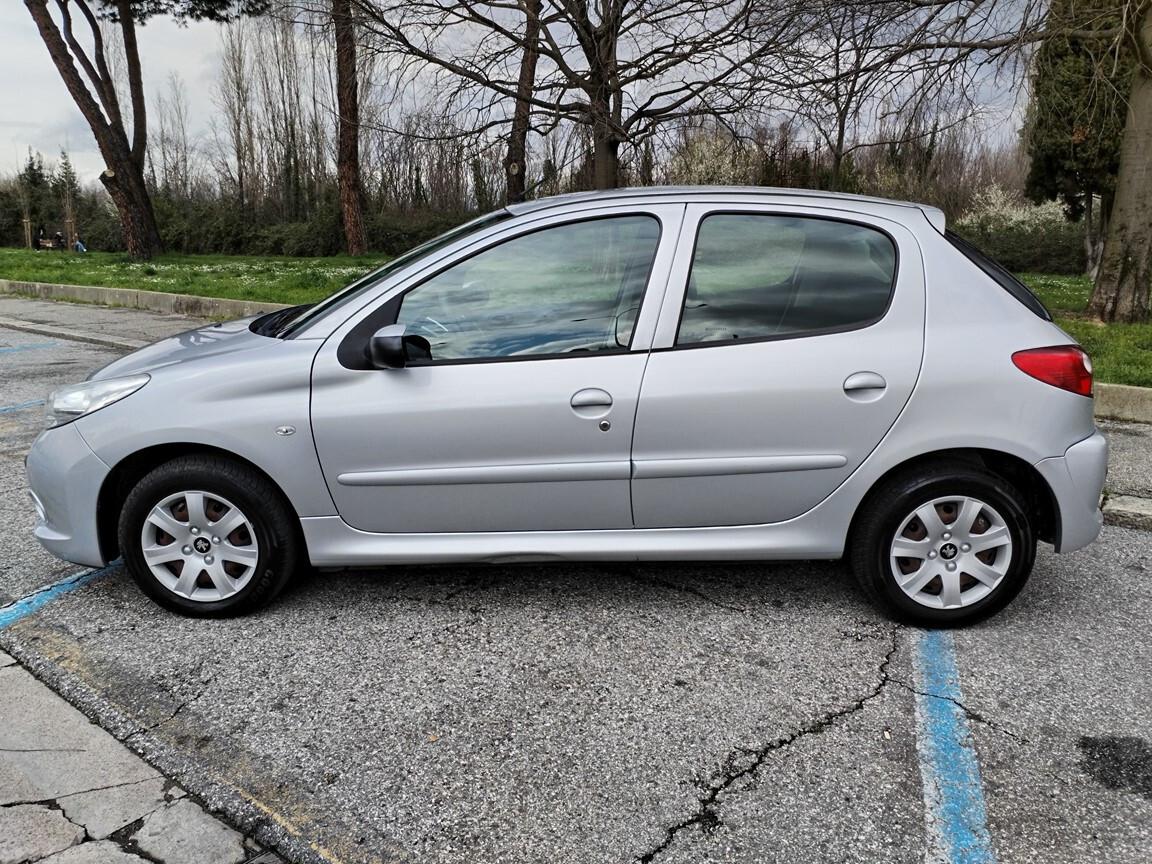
<point>864,381</point>
<point>591,402</point>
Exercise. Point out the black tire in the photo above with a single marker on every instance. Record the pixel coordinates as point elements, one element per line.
<point>889,505</point>
<point>271,517</point>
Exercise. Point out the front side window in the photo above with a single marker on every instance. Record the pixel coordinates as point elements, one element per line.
<point>297,321</point>
<point>763,276</point>
<point>570,288</point>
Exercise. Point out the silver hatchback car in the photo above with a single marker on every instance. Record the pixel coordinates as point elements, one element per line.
<point>648,374</point>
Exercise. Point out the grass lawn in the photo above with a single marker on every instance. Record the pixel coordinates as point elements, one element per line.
<point>240,277</point>
<point>1121,353</point>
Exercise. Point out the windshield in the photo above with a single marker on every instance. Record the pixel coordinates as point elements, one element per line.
<point>307,314</point>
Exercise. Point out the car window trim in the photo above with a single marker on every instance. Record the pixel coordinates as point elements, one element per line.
<point>823,331</point>
<point>350,352</point>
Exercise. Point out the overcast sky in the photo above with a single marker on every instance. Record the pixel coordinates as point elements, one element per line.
<point>36,110</point>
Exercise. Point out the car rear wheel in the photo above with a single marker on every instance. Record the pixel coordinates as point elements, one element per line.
<point>208,537</point>
<point>943,546</point>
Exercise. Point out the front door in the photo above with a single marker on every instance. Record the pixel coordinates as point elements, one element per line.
<point>788,344</point>
<point>522,420</point>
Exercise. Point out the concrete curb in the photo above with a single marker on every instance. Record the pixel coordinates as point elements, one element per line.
<point>1128,511</point>
<point>1123,402</point>
<point>154,301</point>
<point>245,813</point>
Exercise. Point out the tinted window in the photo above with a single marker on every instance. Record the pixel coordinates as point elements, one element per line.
<point>574,287</point>
<point>759,276</point>
<point>999,275</point>
<point>295,323</point>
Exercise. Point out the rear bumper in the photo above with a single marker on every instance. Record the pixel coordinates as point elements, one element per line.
<point>1077,480</point>
<point>64,477</point>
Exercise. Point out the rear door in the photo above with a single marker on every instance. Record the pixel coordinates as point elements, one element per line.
<point>788,343</point>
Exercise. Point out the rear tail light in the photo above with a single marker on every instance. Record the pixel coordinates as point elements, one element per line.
<point>1065,366</point>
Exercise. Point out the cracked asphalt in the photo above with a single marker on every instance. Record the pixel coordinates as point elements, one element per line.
<point>601,713</point>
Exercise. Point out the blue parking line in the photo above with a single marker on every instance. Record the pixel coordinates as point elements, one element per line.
<point>31,346</point>
<point>20,406</point>
<point>26,606</point>
<point>957,821</point>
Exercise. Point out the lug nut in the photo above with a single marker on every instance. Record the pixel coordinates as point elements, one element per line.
<point>947,535</point>
<point>215,539</point>
<point>965,547</point>
<point>208,559</point>
<point>187,550</point>
<point>194,530</point>
<point>951,566</point>
<point>932,554</point>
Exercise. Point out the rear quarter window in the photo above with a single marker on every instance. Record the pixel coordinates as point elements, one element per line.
<point>998,274</point>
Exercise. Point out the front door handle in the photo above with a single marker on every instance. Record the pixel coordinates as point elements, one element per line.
<point>591,402</point>
<point>864,381</point>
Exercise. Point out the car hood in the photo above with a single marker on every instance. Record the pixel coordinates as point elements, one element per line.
<point>215,340</point>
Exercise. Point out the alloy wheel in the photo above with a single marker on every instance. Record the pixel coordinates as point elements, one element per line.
<point>199,546</point>
<point>951,552</point>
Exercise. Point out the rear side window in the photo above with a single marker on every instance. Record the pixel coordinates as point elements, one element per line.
<point>999,275</point>
<point>764,276</point>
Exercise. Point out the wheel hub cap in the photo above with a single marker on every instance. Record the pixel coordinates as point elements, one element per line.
<point>951,552</point>
<point>199,546</point>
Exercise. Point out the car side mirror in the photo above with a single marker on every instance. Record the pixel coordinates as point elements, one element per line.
<point>390,348</point>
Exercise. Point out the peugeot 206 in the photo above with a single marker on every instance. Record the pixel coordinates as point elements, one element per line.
<point>649,374</point>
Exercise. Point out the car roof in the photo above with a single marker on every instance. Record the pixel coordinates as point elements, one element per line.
<point>687,193</point>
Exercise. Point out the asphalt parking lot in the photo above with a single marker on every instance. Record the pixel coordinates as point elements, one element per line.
<point>609,713</point>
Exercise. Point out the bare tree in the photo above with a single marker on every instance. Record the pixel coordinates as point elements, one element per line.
<point>173,145</point>
<point>618,68</point>
<point>516,160</point>
<point>95,95</point>
<point>92,86</point>
<point>234,98</point>
<point>348,109</point>
<point>848,90</point>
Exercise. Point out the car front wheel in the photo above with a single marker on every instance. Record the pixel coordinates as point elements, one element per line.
<point>208,537</point>
<point>944,546</point>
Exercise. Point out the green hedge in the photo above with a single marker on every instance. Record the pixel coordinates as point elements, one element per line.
<point>1024,237</point>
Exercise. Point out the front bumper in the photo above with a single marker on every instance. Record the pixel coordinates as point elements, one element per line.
<point>1077,480</point>
<point>64,477</point>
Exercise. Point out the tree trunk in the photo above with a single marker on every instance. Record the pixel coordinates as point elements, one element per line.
<point>605,160</point>
<point>837,170</point>
<point>124,176</point>
<point>605,145</point>
<point>137,223</point>
<point>515,164</point>
<point>1095,225</point>
<point>1125,276</point>
<point>135,83</point>
<point>348,145</point>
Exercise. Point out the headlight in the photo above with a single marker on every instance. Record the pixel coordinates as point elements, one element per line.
<point>68,403</point>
